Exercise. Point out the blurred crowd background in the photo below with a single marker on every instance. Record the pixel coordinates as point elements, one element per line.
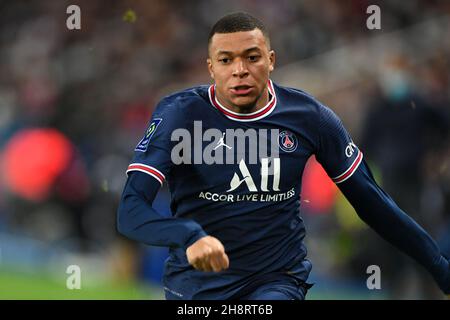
<point>74,103</point>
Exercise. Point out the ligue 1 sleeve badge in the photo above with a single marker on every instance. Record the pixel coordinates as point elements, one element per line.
<point>287,141</point>
<point>143,144</point>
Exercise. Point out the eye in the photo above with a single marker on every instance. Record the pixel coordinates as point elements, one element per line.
<point>225,60</point>
<point>253,58</point>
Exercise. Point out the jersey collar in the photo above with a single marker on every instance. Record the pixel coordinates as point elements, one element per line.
<point>245,117</point>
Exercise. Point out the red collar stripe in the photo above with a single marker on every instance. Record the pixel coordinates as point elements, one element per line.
<point>266,110</point>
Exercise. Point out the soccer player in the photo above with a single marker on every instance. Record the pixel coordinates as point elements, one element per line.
<point>233,154</point>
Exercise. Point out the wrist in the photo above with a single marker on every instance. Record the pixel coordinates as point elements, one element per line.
<point>194,238</point>
<point>443,276</point>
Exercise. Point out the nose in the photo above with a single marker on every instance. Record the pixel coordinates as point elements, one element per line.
<point>240,69</point>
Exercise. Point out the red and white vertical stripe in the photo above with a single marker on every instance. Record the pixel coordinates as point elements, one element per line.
<point>350,171</point>
<point>155,173</point>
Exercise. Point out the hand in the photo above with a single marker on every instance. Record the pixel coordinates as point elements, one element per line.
<point>207,254</point>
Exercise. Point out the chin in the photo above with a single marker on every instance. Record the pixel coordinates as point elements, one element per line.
<point>244,103</point>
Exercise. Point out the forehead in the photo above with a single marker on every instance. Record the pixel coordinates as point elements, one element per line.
<point>237,41</point>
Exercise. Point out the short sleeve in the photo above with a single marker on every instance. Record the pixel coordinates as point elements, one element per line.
<point>337,153</point>
<point>152,155</point>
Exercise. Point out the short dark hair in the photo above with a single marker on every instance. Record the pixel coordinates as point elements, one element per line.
<point>238,21</point>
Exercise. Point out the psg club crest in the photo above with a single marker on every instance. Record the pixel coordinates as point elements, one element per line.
<point>287,141</point>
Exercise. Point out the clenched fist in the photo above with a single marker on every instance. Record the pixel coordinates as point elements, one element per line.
<point>207,254</point>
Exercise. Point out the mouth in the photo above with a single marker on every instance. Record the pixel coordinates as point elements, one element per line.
<point>241,90</point>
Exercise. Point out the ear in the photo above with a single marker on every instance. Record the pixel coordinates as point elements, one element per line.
<point>271,60</point>
<point>210,68</point>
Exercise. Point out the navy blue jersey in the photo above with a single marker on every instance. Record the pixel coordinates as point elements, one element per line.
<point>237,177</point>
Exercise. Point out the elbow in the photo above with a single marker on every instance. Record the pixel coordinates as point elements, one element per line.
<point>122,226</point>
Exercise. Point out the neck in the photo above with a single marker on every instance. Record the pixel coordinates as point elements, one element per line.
<point>262,101</point>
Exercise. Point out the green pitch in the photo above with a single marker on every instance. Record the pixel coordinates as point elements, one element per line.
<point>16,285</point>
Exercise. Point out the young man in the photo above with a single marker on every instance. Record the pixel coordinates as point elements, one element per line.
<point>233,154</point>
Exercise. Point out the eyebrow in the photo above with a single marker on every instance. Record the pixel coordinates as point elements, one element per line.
<point>245,51</point>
